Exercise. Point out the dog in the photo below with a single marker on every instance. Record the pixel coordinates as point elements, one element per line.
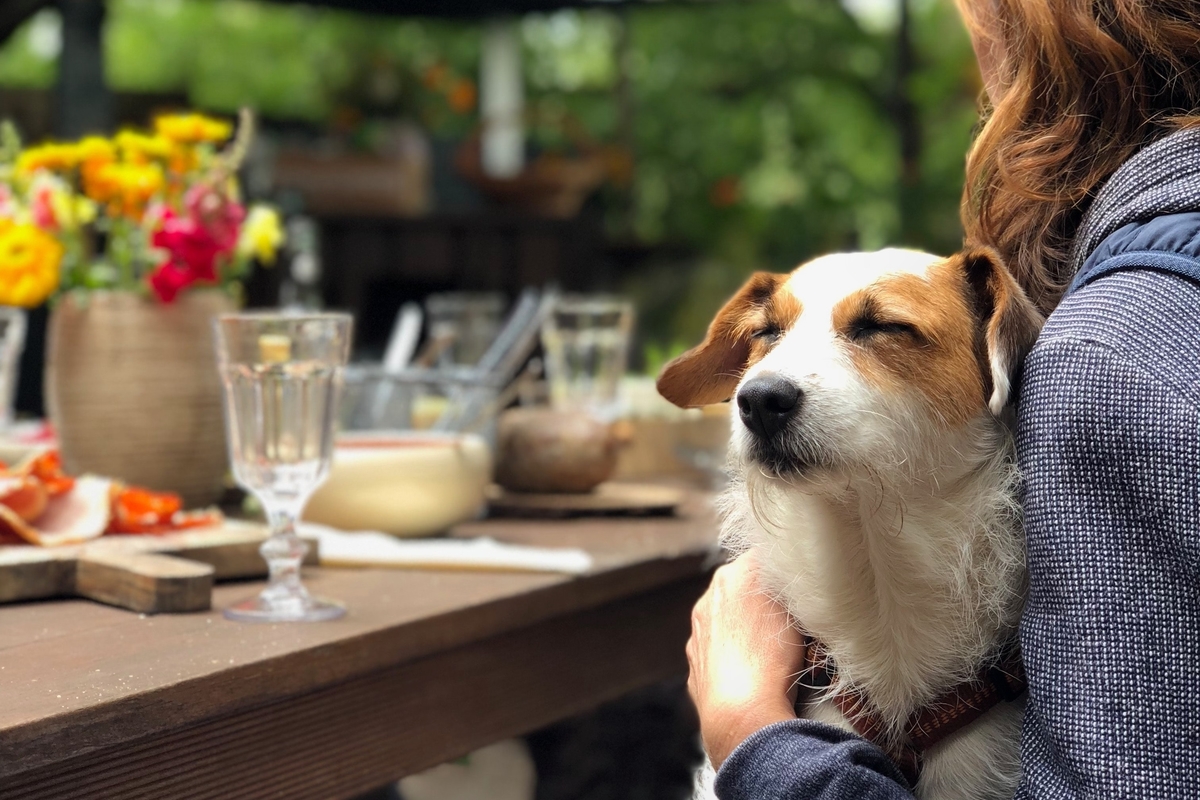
<point>873,472</point>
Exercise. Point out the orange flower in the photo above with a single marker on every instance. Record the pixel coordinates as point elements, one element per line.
<point>725,192</point>
<point>29,264</point>
<point>126,188</point>
<point>183,159</point>
<point>435,75</point>
<point>462,96</point>
<point>95,153</point>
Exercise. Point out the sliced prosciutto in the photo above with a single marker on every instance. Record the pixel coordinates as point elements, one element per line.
<point>43,505</point>
<point>74,516</point>
<point>25,496</point>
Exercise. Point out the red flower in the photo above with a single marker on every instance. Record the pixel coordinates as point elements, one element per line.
<point>189,244</point>
<point>195,241</point>
<point>169,279</point>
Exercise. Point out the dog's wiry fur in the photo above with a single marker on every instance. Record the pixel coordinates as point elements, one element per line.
<point>885,518</point>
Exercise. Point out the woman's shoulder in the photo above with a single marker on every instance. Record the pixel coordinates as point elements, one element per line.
<point>1135,313</point>
<point>1138,292</point>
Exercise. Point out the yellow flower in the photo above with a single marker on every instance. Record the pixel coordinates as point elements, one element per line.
<point>29,264</point>
<point>71,210</point>
<point>95,150</point>
<point>261,234</point>
<point>139,148</point>
<point>192,128</point>
<point>126,188</point>
<point>53,156</point>
<point>84,210</point>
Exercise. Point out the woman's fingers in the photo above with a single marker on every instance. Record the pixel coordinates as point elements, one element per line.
<point>743,656</point>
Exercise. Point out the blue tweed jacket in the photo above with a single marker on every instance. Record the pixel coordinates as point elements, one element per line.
<point>1109,443</point>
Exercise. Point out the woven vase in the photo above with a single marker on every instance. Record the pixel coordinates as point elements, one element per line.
<point>133,391</point>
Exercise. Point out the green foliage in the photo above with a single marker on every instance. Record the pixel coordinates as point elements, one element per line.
<point>762,132</point>
<point>792,101</point>
<point>290,62</point>
<point>774,138</point>
<point>29,57</point>
<point>10,143</point>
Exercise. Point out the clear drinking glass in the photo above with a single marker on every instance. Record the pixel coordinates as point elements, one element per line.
<point>468,322</point>
<point>12,343</point>
<point>282,374</point>
<point>586,342</point>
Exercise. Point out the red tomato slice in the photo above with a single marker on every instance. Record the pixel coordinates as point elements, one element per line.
<point>47,468</point>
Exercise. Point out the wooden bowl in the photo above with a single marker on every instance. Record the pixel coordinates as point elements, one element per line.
<point>547,451</point>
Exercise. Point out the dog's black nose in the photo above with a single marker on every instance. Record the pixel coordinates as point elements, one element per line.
<point>767,402</point>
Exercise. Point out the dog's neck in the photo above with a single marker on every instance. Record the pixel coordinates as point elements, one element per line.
<point>908,584</point>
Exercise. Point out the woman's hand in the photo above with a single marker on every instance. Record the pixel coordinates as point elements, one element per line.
<point>744,655</point>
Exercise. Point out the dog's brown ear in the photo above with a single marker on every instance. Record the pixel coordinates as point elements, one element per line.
<point>1011,322</point>
<point>709,372</point>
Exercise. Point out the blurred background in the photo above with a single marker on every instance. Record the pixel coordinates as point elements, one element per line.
<point>662,150</point>
<point>463,156</point>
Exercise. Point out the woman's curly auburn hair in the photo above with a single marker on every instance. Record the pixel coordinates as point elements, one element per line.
<point>1085,84</point>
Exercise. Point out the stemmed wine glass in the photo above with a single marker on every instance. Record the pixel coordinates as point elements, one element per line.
<point>282,375</point>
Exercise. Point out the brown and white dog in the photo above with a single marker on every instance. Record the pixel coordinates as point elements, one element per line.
<point>873,473</point>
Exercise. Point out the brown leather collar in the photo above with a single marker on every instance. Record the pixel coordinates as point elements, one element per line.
<point>998,681</point>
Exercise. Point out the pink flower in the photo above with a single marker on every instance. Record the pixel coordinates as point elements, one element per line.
<point>169,279</point>
<point>217,212</point>
<point>42,209</point>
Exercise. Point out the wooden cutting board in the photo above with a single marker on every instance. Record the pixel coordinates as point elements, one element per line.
<point>615,498</point>
<point>151,574</point>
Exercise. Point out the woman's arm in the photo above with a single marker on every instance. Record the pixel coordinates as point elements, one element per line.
<point>806,760</point>
<point>744,656</point>
<point>1109,443</point>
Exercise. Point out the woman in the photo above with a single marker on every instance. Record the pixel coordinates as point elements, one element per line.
<point>1086,177</point>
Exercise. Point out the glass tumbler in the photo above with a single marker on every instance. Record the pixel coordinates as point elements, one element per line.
<point>282,375</point>
<point>462,325</point>
<point>586,343</point>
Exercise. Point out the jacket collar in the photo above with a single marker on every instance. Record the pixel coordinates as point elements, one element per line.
<point>1162,178</point>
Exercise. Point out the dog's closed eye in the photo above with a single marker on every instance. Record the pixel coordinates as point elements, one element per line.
<point>767,333</point>
<point>865,328</point>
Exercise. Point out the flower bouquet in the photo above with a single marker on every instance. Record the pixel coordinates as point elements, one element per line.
<point>139,240</point>
<point>142,211</point>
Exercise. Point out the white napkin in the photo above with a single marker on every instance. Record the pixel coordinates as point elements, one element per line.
<point>374,549</point>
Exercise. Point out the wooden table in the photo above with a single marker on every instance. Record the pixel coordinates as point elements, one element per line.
<point>96,702</point>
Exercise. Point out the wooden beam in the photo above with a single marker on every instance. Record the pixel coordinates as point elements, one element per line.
<point>83,102</point>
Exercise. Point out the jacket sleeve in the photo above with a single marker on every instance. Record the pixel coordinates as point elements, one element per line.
<point>806,760</point>
<point>1109,445</point>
